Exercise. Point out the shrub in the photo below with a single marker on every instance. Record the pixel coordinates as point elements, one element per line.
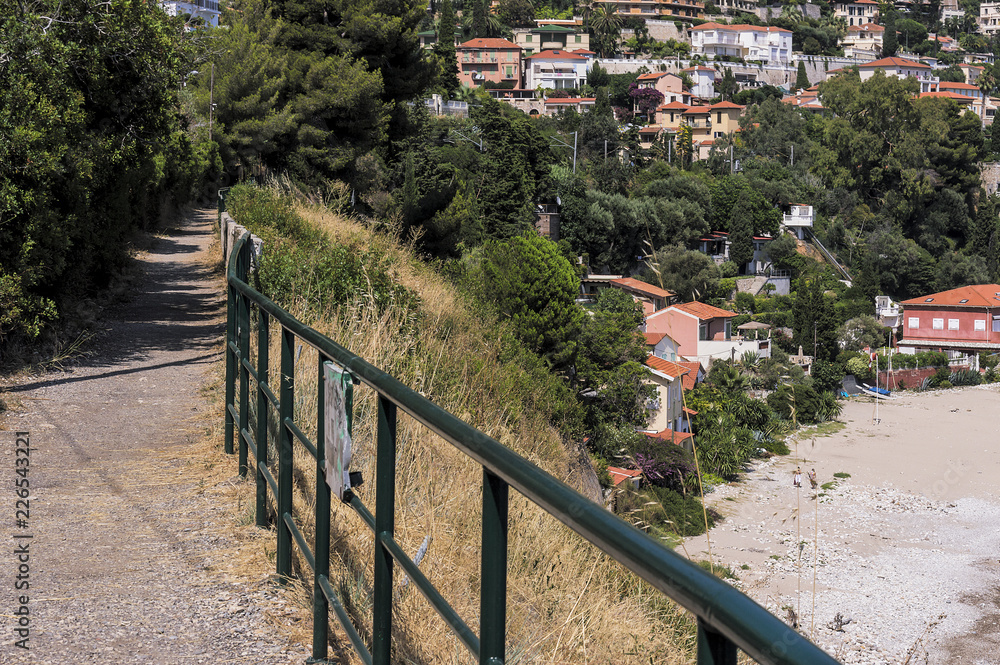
<point>945,384</point>
<point>858,366</point>
<point>660,509</point>
<point>810,406</point>
<point>965,377</point>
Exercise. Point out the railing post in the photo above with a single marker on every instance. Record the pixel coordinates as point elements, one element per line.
<point>263,409</point>
<point>713,647</point>
<point>243,335</point>
<point>385,505</point>
<point>493,586</point>
<point>286,412</point>
<point>321,606</point>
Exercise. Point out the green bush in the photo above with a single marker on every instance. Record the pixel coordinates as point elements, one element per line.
<point>810,406</point>
<point>660,509</point>
<point>945,384</point>
<point>300,264</point>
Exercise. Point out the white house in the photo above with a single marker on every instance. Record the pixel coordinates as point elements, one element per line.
<point>799,219</point>
<point>901,68</point>
<point>989,17</point>
<point>768,44</point>
<point>556,69</point>
<point>206,10</point>
<point>856,12</point>
<point>863,40</point>
<point>704,81</point>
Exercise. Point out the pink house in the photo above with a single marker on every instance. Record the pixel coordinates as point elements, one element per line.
<point>702,332</point>
<point>964,320</point>
<point>481,60</point>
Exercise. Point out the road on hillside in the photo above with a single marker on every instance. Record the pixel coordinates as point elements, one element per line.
<point>112,562</point>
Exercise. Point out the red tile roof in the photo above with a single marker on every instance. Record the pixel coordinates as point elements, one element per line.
<point>979,295</point>
<point>669,435</point>
<point>672,106</point>
<point>894,62</point>
<point>726,105</point>
<point>703,311</point>
<point>652,76</point>
<point>570,100</point>
<point>618,475</point>
<point>556,54</point>
<point>651,129</point>
<point>691,378</point>
<point>947,94</point>
<point>957,86</point>
<point>639,286</point>
<point>867,27</point>
<point>481,42</point>
<point>698,110</point>
<point>652,339</point>
<point>671,369</point>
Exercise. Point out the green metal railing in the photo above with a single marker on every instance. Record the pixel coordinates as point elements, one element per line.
<point>727,619</point>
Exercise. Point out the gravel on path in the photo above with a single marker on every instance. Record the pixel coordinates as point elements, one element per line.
<point>122,558</point>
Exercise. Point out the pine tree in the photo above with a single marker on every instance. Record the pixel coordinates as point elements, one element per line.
<point>445,49</point>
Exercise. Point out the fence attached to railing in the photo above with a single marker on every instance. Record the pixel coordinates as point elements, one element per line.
<point>727,619</point>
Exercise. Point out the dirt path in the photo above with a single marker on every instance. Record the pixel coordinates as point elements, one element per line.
<point>123,547</point>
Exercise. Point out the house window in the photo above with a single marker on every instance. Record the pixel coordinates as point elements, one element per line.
<point>703,331</point>
<point>980,325</point>
<point>914,322</point>
<point>577,38</point>
<point>718,117</point>
<point>996,324</point>
<point>952,324</point>
<point>937,324</point>
<point>527,39</point>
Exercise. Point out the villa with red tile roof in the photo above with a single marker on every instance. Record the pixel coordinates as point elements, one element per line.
<point>666,411</point>
<point>901,68</point>
<point>643,292</point>
<point>483,60</point>
<point>703,79</point>
<point>702,332</point>
<point>960,321</point>
<point>768,44</point>
<point>863,40</point>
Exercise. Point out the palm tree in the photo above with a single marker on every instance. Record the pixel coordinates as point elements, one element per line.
<point>606,25</point>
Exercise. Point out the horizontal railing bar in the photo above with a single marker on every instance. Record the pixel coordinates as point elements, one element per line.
<point>266,389</point>
<point>444,610</point>
<point>251,370</point>
<point>251,444</point>
<point>764,637</point>
<point>344,620</point>
<point>301,540</point>
<point>269,477</point>
<point>362,510</point>
<point>300,435</point>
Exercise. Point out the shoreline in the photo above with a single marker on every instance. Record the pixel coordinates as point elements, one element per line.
<point>907,546</point>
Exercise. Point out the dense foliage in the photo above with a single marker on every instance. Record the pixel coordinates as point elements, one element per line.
<point>91,148</point>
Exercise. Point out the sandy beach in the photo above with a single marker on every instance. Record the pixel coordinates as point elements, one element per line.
<point>907,548</point>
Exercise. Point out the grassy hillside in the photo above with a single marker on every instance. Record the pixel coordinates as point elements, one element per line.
<point>568,603</point>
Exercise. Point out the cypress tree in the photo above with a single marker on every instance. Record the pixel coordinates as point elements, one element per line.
<point>801,78</point>
<point>890,43</point>
<point>445,48</point>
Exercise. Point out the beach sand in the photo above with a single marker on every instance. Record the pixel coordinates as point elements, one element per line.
<point>908,547</point>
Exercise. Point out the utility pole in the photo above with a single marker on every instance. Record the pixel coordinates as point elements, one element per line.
<point>211,102</point>
<point>564,144</point>
<point>605,150</point>
<point>793,155</point>
<point>574,152</point>
<point>732,164</point>
<point>815,339</point>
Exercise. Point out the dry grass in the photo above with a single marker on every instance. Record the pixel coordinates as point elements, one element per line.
<point>567,602</point>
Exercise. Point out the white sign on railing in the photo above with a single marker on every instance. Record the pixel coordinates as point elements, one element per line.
<point>338,401</point>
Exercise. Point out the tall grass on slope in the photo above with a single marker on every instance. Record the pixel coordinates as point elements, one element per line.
<point>568,602</point>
